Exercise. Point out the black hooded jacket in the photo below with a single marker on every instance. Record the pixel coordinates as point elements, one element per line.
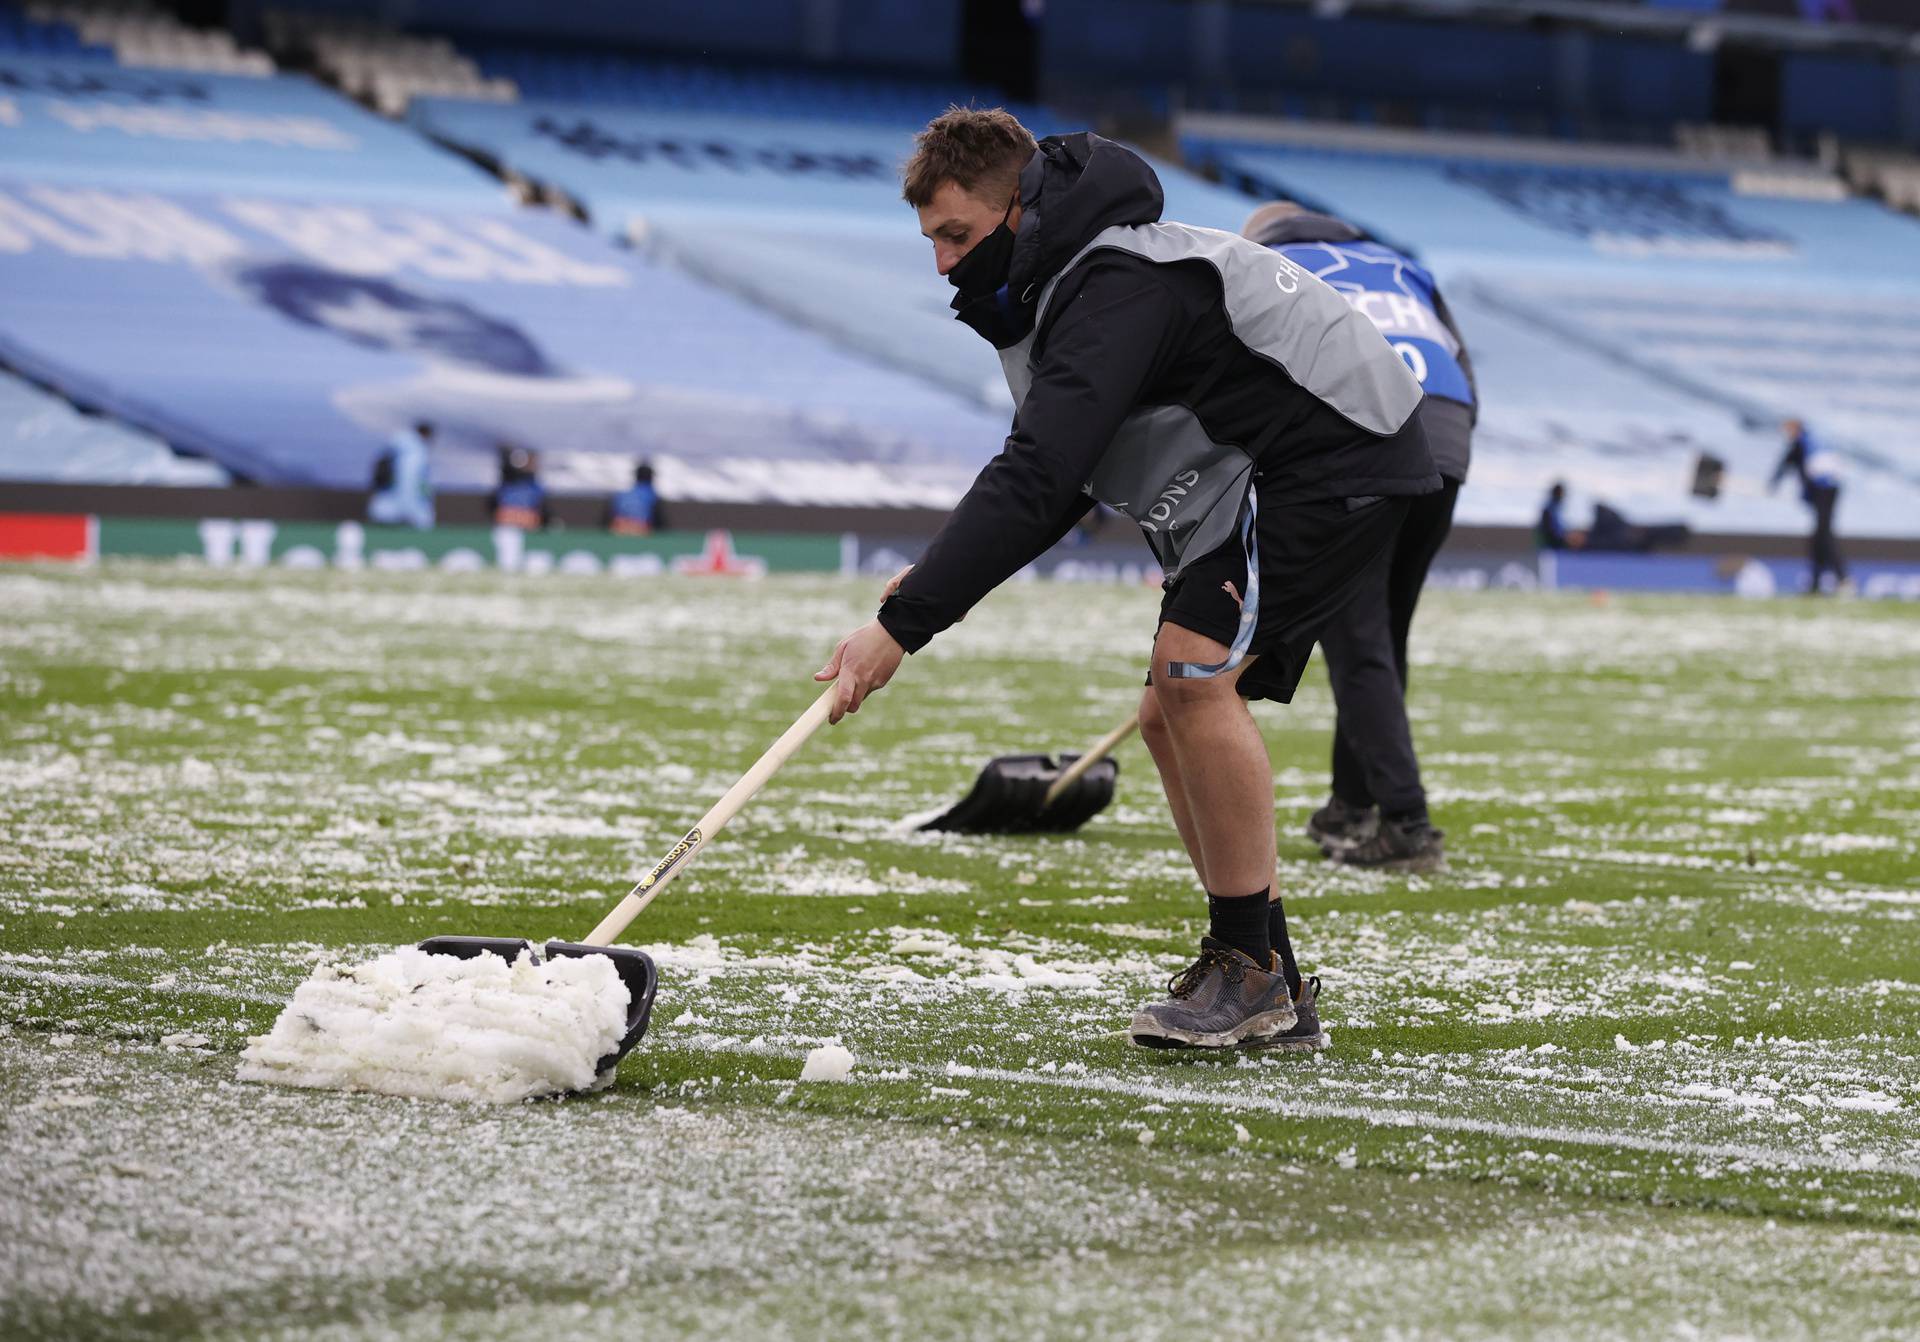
<point>1120,333</point>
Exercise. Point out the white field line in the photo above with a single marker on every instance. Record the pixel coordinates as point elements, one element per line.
<point>1401,1118</point>
<point>1729,875</point>
<point>1374,1117</point>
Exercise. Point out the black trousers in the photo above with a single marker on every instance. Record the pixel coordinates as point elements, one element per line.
<point>1825,556</point>
<point>1366,651</point>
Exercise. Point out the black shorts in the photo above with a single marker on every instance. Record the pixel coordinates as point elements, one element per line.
<point>1313,558</point>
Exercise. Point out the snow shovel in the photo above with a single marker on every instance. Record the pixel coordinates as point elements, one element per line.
<point>636,968</point>
<point>1027,794</point>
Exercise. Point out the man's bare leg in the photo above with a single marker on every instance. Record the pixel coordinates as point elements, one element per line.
<point>1221,765</point>
<point>1219,784</point>
<point>1153,730</point>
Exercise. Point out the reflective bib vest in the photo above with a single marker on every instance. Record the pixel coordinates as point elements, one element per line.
<point>1163,471</point>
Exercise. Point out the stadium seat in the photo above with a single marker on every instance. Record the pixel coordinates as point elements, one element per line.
<point>142,35</point>
<point>43,438</point>
<point>1619,300</point>
<point>799,214</point>
<point>295,276</point>
<point>20,35</point>
<point>79,121</point>
<point>692,86</point>
<point>379,66</point>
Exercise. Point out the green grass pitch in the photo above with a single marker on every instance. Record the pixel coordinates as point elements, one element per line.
<point>1646,1063</point>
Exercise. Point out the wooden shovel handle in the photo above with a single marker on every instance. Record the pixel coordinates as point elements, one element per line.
<point>711,823</point>
<point>1098,751</point>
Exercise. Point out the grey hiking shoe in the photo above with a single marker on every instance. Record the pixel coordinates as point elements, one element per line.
<point>1221,1000</point>
<point>1340,825</point>
<point>1306,1034</point>
<point>1414,847</point>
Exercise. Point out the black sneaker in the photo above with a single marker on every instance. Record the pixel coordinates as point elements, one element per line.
<point>1306,1035</point>
<point>1395,846</point>
<point>1222,1000</point>
<point>1340,825</point>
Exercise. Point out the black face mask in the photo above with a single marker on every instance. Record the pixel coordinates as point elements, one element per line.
<point>983,270</point>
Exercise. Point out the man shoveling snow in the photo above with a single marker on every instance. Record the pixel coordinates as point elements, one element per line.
<point>493,1018</point>
<point>1259,429</point>
<point>447,1028</point>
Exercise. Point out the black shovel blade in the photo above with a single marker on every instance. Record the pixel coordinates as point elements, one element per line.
<point>636,970</point>
<point>472,948</point>
<point>1010,794</point>
<point>1083,799</point>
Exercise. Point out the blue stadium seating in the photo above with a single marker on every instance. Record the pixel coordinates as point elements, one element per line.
<point>886,34</point>
<point>79,121</point>
<point>565,75</point>
<point>126,163</point>
<point>44,438</point>
<point>286,339</point>
<point>777,329</point>
<point>293,277</point>
<point>1616,308</point>
<point>22,36</point>
<point>1362,65</point>
<point>801,215</point>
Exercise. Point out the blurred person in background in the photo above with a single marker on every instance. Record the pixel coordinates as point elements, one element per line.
<point>1261,433</point>
<point>402,484</point>
<point>1611,530</point>
<point>1377,813</point>
<point>635,510</point>
<point>520,500</point>
<point>1819,470</point>
<point>1550,529</point>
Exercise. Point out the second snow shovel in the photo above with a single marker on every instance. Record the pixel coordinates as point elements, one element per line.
<point>635,967</point>
<point>1026,794</point>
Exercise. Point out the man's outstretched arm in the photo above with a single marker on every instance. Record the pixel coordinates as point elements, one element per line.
<point>1110,339</point>
<point>1796,453</point>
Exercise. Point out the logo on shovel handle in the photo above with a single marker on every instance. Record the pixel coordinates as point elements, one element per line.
<point>671,860</point>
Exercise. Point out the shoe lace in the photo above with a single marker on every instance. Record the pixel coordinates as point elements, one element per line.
<point>1188,980</point>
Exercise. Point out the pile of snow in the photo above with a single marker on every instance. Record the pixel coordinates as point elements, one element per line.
<point>829,1062</point>
<point>439,1027</point>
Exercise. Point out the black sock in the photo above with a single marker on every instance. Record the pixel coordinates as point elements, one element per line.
<point>1277,936</point>
<point>1241,922</point>
<point>1415,819</point>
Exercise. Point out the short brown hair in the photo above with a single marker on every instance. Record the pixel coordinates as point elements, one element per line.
<point>979,149</point>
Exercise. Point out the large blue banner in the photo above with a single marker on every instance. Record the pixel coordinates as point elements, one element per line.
<point>287,339</point>
<point>86,121</point>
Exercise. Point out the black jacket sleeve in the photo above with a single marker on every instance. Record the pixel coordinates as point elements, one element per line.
<point>1101,346</point>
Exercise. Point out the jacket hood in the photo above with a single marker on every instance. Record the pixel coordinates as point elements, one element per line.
<point>1074,186</point>
<point>1306,226</point>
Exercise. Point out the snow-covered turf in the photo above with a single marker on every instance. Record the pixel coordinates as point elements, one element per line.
<point>1647,1062</point>
<point>262,1213</point>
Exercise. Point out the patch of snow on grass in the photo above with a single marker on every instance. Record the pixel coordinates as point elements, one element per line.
<point>829,1062</point>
